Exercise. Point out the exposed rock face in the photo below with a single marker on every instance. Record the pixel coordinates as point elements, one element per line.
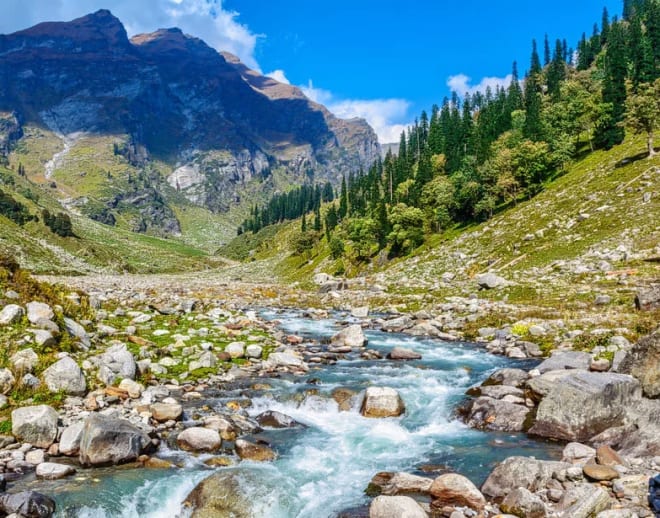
<point>36,425</point>
<point>585,404</point>
<point>106,441</point>
<point>643,362</point>
<point>382,402</point>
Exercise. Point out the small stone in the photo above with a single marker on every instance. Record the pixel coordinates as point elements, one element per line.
<point>133,388</point>
<point>253,351</point>
<point>599,365</point>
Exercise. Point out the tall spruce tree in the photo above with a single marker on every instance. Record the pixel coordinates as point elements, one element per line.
<point>533,129</point>
<point>610,132</point>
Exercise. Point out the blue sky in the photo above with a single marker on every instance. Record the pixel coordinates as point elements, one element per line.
<point>385,60</point>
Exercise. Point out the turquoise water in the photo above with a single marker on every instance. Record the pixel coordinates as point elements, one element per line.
<point>325,468</point>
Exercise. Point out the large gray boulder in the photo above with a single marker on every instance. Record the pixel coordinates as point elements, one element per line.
<point>585,404</point>
<point>496,415</point>
<point>11,314</point>
<point>54,471</point>
<point>490,281</point>
<point>382,402</point>
<point>583,501</point>
<point>38,310</point>
<point>516,472</point>
<point>643,362</point>
<point>351,336</point>
<point>75,330</point>
<point>565,360</point>
<point>395,507</point>
<point>116,364</point>
<point>66,375</point>
<point>36,425</point>
<point>108,440</point>
<point>542,385</point>
<point>219,496</point>
<point>70,439</point>
<point>27,504</point>
<point>648,298</point>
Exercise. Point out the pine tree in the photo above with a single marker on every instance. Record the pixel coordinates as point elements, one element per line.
<point>303,224</point>
<point>604,27</point>
<point>546,51</point>
<point>533,128</point>
<point>610,132</point>
<point>343,199</point>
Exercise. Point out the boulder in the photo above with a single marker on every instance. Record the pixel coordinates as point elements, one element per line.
<point>565,360</point>
<point>456,490</point>
<point>219,496</point>
<point>65,375</point>
<point>43,338</point>
<point>352,336</point>
<point>585,404</point>
<point>507,376</point>
<point>496,415</point>
<point>53,471</point>
<point>515,472</point>
<point>235,349</point>
<point>75,330</point>
<point>395,507</point>
<point>575,452</point>
<point>108,440</point>
<point>11,314</point>
<point>360,312</point>
<point>115,364</point>
<point>489,281</point>
<point>606,456</point>
<point>542,385</point>
<point>253,351</point>
<point>523,503</point>
<point>648,298</point>
<point>344,398</point>
<point>399,483</point>
<point>162,412</point>
<point>401,353</point>
<point>39,310</point>
<point>382,402</point>
<point>199,439</point>
<point>70,439</point>
<point>24,360</point>
<point>599,473</point>
<point>36,425</point>
<point>251,451</point>
<point>28,504</point>
<point>398,324</point>
<point>288,359</point>
<point>643,362</point>
<point>223,426</point>
<point>275,419</point>
<point>583,501</point>
<point>7,380</point>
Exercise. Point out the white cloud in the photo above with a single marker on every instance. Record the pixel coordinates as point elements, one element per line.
<point>461,84</point>
<point>386,116</point>
<point>205,19</point>
<point>279,76</point>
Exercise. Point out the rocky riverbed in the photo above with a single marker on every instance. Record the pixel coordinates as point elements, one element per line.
<point>186,377</point>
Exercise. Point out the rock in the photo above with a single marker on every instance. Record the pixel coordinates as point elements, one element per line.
<point>400,353</point>
<point>509,377</point>
<point>515,472</point>
<point>606,456</point>
<point>75,330</point>
<point>599,365</point>
<point>344,398</point>
<point>577,452</point>
<point>36,425</point>
<point>288,359</point>
<point>223,426</point>
<point>29,504</point>
<point>35,457</point>
<point>322,278</point>
<point>585,404</point>
<point>583,501</point>
<point>397,325</point>
<point>70,439</point>
<point>162,412</point>
<point>496,415</point>
<point>107,440</point>
<point>219,496</point>
<point>4,401</point>
<point>489,281</point>
<point>456,490</point>
<point>648,298</point>
<point>65,375</point>
<point>542,385</point>
<point>53,471</point>
<point>602,300</point>
<point>275,419</point>
<point>424,329</point>
<point>618,513</point>
<point>253,351</point>
<point>395,507</point>
<point>116,364</point>
<point>24,360</point>
<point>643,362</point>
<point>132,388</point>
<point>521,502</point>
<point>43,338</point>
<point>360,312</point>
<point>156,463</point>
<point>598,473</point>
<point>251,451</point>
<point>235,349</point>
<point>400,483</point>
<point>565,360</point>
<point>382,402</point>
<point>39,310</point>
<point>199,439</point>
<point>7,380</point>
<point>352,336</point>
<point>11,314</point>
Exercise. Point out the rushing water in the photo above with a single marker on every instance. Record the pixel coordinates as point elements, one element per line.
<point>325,468</point>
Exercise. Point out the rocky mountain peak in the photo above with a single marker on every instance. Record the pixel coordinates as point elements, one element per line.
<point>173,43</point>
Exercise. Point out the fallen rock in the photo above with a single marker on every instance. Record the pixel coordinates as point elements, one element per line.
<point>108,440</point>
<point>606,456</point>
<point>132,388</point>
<point>75,330</point>
<point>54,471</point>
<point>7,380</point>
<point>199,439</point>
<point>643,362</point>
<point>251,451</point>
<point>382,402</point>
<point>387,483</point>
<point>352,336</point>
<point>515,472</point>
<point>508,376</point>
<point>65,375</point>
<point>542,385</point>
<point>27,504</point>
<point>116,363</point>
<point>400,353</point>
<point>235,349</point>
<point>288,359</point>
<point>36,425</point>
<point>521,502</point>
<point>575,452</point>
<point>456,490</point>
<point>395,507</point>
<point>398,324</point>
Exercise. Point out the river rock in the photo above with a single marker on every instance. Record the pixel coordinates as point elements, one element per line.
<point>523,503</point>
<point>65,375</point>
<point>360,311</point>
<point>507,376</point>
<point>565,360</point>
<point>116,364</point>
<point>583,501</point>
<point>288,359</point>
<point>575,452</point>
<point>28,504</point>
<point>36,425</point>
<point>219,496</point>
<point>382,402</point>
<point>53,471</point>
<point>400,483</point>
<point>251,451</point>
<point>24,360</point>
<point>516,472</point>
<point>606,456</point>
<point>496,415</point>
<point>395,507</point>
<point>344,398</point>
<point>352,336</point>
<point>7,380</point>
<point>541,386</point>
<point>599,473</point>
<point>585,404</point>
<point>70,439</point>
<point>224,427</point>
<point>11,314</point>
<point>75,330</point>
<point>162,412</point>
<point>401,353</point>
<point>398,324</point>
<point>275,419</point>
<point>199,439</point>
<point>643,362</point>
<point>39,310</point>
<point>456,490</point>
<point>108,440</point>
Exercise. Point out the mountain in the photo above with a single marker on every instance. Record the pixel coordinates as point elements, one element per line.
<point>171,121</point>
